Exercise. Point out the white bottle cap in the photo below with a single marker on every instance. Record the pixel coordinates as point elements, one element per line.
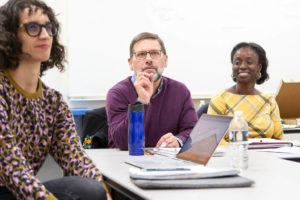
<point>238,113</point>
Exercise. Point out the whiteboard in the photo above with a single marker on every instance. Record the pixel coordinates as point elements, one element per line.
<point>199,36</point>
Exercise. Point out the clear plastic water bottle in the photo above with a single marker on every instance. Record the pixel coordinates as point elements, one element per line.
<point>238,138</point>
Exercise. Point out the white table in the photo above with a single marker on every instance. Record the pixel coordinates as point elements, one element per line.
<point>275,178</point>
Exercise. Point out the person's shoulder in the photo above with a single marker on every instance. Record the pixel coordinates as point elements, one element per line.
<point>122,86</point>
<point>173,83</point>
<point>2,77</point>
<point>173,87</point>
<point>221,93</point>
<point>123,83</point>
<point>267,96</point>
<point>50,93</point>
<point>1,72</point>
<point>3,81</point>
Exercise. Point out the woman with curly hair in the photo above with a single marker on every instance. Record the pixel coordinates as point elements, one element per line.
<point>34,119</point>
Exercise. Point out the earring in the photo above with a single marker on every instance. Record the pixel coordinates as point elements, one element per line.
<point>233,76</point>
<point>258,75</point>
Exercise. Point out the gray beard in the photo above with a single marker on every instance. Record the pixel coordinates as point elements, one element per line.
<point>158,74</point>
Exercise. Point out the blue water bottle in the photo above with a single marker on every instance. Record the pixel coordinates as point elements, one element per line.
<point>136,138</point>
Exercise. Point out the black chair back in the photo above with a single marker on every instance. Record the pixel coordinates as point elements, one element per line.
<point>95,125</point>
<point>202,109</point>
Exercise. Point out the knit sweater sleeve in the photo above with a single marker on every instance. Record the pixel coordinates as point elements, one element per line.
<point>117,118</point>
<point>66,148</point>
<point>15,173</point>
<point>188,117</point>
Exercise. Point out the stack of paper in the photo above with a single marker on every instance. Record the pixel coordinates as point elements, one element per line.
<point>170,152</point>
<point>194,177</point>
<point>192,172</point>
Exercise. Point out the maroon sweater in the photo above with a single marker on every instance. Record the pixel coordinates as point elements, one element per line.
<point>172,110</point>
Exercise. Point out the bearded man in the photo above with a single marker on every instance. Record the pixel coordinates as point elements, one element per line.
<point>169,113</point>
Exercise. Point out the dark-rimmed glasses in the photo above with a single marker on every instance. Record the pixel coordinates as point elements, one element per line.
<point>154,54</point>
<point>34,29</point>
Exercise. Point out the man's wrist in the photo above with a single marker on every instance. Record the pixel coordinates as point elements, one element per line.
<point>179,141</point>
<point>141,101</point>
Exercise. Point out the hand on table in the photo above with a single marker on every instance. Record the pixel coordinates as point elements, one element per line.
<point>169,139</point>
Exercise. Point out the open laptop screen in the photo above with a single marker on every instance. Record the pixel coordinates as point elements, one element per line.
<point>204,138</point>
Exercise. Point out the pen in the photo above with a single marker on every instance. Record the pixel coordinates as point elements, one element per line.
<point>166,169</point>
<point>148,152</point>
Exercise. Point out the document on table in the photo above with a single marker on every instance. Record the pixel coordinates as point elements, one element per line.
<point>172,152</point>
<point>191,172</point>
<point>268,143</point>
<point>290,126</point>
<point>288,150</point>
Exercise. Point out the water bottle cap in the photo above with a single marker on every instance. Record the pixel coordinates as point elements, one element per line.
<point>136,107</point>
<point>238,113</point>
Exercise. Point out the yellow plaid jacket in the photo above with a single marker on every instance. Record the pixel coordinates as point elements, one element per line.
<point>260,111</point>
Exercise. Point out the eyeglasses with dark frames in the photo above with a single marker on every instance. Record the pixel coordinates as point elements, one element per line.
<point>154,54</point>
<point>34,29</point>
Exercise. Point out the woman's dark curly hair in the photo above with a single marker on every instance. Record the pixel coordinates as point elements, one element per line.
<point>262,59</point>
<point>10,46</point>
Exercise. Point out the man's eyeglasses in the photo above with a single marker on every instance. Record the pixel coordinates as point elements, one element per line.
<point>154,54</point>
<point>34,29</point>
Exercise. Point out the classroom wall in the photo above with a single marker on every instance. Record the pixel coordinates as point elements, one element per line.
<point>198,35</point>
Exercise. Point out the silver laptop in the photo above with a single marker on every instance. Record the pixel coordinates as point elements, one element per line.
<point>198,149</point>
